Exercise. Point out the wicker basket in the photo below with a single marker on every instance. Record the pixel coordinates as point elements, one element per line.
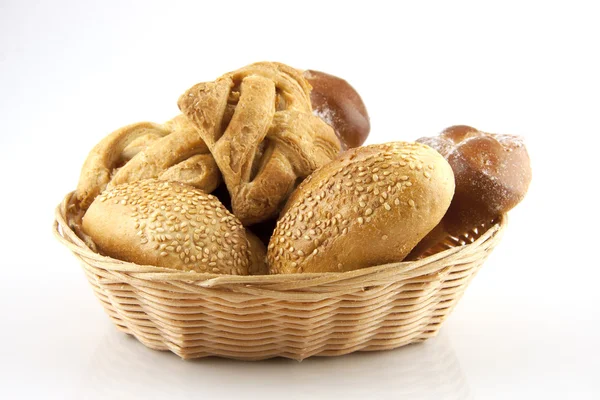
<point>294,316</point>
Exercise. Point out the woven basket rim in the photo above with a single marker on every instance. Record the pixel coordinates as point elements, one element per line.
<point>404,269</point>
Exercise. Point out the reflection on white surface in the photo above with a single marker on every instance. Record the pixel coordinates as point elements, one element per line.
<point>121,368</point>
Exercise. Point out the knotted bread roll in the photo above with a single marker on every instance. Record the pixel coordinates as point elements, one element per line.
<point>258,124</point>
<point>171,152</point>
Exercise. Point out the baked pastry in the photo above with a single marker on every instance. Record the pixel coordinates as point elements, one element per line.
<point>368,207</point>
<point>258,255</point>
<point>167,224</point>
<point>258,124</point>
<point>492,171</point>
<point>492,174</point>
<point>337,103</point>
<point>171,151</point>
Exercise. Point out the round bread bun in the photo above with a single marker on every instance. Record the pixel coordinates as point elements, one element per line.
<point>368,207</point>
<point>167,224</point>
<point>336,102</point>
<point>492,171</point>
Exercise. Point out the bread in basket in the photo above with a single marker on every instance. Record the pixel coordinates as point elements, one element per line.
<point>254,130</point>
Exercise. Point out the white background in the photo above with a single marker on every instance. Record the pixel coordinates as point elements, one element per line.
<point>71,72</point>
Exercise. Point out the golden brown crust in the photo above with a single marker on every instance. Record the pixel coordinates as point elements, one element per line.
<point>258,124</point>
<point>108,155</point>
<point>172,151</point>
<point>370,206</point>
<point>167,224</point>
<point>179,157</point>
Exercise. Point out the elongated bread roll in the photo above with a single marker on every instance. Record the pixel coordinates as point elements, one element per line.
<point>368,207</point>
<point>167,224</point>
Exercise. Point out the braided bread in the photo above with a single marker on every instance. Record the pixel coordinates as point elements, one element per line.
<point>171,152</point>
<point>257,122</point>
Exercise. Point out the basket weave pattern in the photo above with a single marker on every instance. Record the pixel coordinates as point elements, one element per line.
<point>294,316</point>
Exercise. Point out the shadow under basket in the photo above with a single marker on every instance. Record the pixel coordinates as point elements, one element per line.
<point>293,315</point>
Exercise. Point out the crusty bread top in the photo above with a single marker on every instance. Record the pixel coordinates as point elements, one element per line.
<point>370,206</point>
<point>172,151</point>
<point>167,224</point>
<point>492,171</point>
<point>258,124</point>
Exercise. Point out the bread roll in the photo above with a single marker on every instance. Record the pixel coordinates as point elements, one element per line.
<point>370,206</point>
<point>258,124</point>
<point>167,224</point>
<point>147,150</point>
<point>492,171</point>
<point>492,174</point>
<point>339,104</point>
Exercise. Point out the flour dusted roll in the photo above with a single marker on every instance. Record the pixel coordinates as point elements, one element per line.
<point>368,207</point>
<point>167,224</point>
<point>336,102</point>
<point>492,171</point>
<point>492,174</point>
